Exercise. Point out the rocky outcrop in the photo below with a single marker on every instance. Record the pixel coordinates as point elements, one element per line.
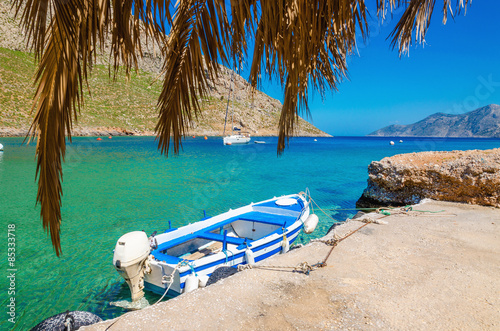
<point>482,122</point>
<point>460,176</point>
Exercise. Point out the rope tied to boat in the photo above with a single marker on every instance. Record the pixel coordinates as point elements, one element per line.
<point>303,267</point>
<point>328,242</point>
<point>165,279</point>
<point>170,278</point>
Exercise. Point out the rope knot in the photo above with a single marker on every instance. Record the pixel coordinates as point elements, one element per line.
<point>304,267</point>
<point>331,242</point>
<point>242,267</point>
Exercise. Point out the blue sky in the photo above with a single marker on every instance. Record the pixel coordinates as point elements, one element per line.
<point>457,70</point>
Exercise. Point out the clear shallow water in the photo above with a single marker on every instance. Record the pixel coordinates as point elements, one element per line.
<point>123,184</point>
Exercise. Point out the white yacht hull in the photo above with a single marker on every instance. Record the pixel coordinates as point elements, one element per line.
<point>236,139</point>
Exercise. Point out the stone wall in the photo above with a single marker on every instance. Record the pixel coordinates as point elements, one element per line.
<point>460,176</point>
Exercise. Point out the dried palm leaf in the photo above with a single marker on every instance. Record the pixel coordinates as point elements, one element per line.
<point>416,18</point>
<point>65,47</point>
<point>198,39</point>
<point>304,43</point>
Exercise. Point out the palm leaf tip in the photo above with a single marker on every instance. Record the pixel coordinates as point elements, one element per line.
<point>304,43</point>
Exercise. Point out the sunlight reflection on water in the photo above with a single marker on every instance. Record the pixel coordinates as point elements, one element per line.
<point>123,184</point>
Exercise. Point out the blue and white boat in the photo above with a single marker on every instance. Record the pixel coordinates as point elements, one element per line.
<point>182,259</point>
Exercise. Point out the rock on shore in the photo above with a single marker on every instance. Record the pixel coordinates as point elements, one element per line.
<point>460,176</point>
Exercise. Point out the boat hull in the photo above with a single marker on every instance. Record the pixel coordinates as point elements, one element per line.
<point>174,271</point>
<point>236,139</point>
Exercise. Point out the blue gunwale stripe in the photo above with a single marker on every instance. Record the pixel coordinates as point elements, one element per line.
<point>248,216</point>
<point>236,256</point>
<point>258,258</point>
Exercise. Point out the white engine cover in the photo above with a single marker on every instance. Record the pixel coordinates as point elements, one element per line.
<point>131,248</point>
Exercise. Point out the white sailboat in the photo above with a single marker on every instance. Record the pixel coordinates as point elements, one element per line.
<point>236,136</point>
<point>237,139</point>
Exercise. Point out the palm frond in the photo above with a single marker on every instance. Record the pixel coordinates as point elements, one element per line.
<point>416,19</point>
<point>199,37</point>
<point>243,14</point>
<point>66,47</point>
<point>305,43</point>
<point>56,96</point>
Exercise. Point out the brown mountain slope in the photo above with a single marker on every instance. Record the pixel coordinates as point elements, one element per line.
<point>128,106</point>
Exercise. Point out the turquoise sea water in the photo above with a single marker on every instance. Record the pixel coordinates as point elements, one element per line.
<point>123,184</point>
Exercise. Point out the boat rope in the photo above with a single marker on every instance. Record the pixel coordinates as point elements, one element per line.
<point>305,267</point>
<point>387,211</point>
<point>406,208</point>
<point>308,195</point>
<point>302,267</point>
<point>168,279</point>
<point>334,242</point>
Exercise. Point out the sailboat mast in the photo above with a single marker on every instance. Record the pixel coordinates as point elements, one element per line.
<point>232,116</point>
<point>228,99</point>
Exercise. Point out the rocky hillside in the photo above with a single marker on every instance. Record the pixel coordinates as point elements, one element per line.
<point>460,176</point>
<point>480,123</point>
<point>127,106</point>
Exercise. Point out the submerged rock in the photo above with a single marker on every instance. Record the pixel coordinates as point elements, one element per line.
<point>70,320</point>
<point>459,176</point>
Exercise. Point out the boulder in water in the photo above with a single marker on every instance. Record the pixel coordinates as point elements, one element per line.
<point>70,320</point>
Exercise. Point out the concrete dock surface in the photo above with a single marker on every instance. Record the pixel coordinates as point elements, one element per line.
<point>421,271</point>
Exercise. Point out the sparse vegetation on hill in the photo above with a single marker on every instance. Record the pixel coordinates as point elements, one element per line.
<point>128,106</point>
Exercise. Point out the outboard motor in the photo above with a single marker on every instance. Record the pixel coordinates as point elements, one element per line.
<point>131,261</point>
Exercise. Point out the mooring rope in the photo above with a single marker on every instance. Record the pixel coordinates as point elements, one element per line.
<point>305,267</point>
<point>406,208</point>
<point>171,277</point>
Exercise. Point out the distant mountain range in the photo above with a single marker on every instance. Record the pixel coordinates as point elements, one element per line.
<point>480,123</point>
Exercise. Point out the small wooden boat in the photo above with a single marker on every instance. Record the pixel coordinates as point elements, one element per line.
<point>182,259</point>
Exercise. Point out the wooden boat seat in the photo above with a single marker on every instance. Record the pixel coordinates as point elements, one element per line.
<point>213,248</point>
<point>253,216</point>
<point>218,237</point>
